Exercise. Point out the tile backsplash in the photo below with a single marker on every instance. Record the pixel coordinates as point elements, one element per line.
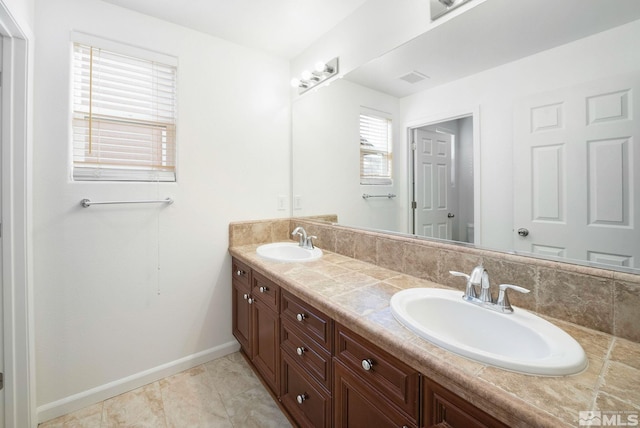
<point>600,299</point>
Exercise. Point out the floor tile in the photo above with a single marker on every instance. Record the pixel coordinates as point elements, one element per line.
<point>223,393</point>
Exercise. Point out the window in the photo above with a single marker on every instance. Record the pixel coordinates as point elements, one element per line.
<point>375,150</point>
<point>124,114</point>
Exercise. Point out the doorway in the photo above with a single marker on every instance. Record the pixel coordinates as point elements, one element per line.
<point>442,185</point>
<point>17,328</point>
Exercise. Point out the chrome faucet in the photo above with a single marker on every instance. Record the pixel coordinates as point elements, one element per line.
<point>304,240</point>
<point>480,278</point>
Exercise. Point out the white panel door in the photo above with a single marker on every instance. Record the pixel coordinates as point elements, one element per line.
<point>577,172</point>
<point>433,192</point>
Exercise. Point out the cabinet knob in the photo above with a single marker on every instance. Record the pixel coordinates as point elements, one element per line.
<point>240,272</point>
<point>263,289</point>
<point>367,364</point>
<point>301,397</point>
<point>251,300</point>
<point>301,317</point>
<point>300,350</point>
<point>245,296</point>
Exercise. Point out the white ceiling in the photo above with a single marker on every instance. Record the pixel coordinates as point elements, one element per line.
<point>281,27</point>
<point>488,35</point>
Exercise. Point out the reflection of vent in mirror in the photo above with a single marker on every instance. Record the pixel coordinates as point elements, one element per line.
<point>413,77</point>
<point>440,7</point>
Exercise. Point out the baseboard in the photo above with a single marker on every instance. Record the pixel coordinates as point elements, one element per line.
<point>95,395</point>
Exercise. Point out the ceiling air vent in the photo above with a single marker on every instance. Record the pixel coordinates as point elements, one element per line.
<point>413,77</point>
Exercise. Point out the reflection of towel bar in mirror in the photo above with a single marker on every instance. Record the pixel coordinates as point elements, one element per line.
<point>388,195</point>
<point>87,203</point>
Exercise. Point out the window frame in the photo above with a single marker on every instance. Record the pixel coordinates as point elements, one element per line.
<point>383,179</point>
<point>160,131</point>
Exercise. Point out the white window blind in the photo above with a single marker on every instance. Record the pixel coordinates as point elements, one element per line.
<point>375,150</point>
<point>124,117</point>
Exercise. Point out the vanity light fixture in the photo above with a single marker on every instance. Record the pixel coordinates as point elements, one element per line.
<point>441,7</point>
<point>321,73</point>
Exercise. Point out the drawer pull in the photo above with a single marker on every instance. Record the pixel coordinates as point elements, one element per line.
<point>263,289</point>
<point>301,397</point>
<point>301,317</point>
<point>367,364</point>
<point>300,350</point>
<point>240,272</point>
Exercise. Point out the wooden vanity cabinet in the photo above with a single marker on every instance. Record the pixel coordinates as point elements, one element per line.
<point>256,304</point>
<point>442,408</point>
<point>371,385</point>
<point>326,375</point>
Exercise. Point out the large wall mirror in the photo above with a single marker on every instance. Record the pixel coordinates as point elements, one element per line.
<point>514,127</point>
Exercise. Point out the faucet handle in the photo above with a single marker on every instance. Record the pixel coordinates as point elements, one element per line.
<point>503,298</point>
<point>454,273</point>
<point>470,292</point>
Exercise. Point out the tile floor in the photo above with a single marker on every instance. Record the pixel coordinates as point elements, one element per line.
<point>222,393</point>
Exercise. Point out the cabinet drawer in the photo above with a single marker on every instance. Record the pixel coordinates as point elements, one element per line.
<point>304,398</point>
<point>390,376</point>
<point>265,291</point>
<point>240,272</point>
<point>309,320</point>
<point>311,356</point>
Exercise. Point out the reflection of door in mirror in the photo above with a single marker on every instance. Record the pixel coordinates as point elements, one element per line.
<point>442,177</point>
<point>576,170</point>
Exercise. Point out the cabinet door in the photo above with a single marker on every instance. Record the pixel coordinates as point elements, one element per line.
<point>442,408</point>
<point>265,344</point>
<point>357,405</point>
<point>241,315</point>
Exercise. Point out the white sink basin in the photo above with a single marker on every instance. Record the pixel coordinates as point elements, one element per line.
<point>288,252</point>
<point>521,341</point>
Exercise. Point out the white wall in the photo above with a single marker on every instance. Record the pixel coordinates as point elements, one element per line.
<point>326,155</point>
<point>606,54</point>
<point>22,11</point>
<point>99,316</point>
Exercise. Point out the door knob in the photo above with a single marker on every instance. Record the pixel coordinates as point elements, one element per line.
<point>451,215</point>
<point>523,232</point>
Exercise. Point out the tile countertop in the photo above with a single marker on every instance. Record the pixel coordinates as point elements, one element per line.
<point>357,294</point>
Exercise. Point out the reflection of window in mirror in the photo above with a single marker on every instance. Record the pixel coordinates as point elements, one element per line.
<point>375,148</point>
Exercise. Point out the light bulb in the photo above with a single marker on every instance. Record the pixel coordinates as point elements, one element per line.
<point>295,82</point>
<point>306,75</point>
<point>320,67</point>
